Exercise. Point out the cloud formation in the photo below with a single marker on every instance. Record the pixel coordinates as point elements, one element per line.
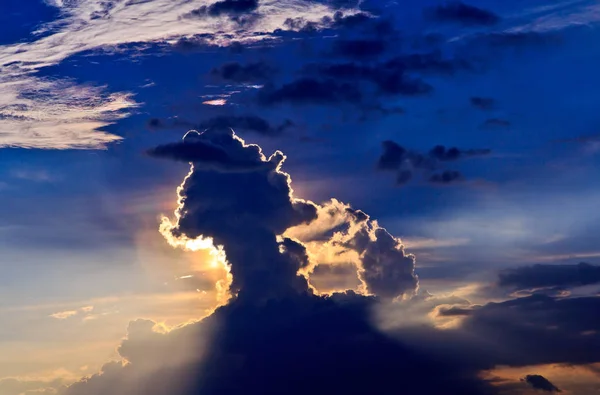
<point>547,276</point>
<point>243,73</point>
<point>405,162</point>
<point>246,123</point>
<point>240,203</point>
<point>39,112</point>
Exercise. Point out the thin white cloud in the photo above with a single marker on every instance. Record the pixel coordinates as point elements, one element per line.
<point>40,112</point>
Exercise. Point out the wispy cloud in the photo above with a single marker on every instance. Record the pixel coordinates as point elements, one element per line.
<point>63,315</point>
<point>38,112</point>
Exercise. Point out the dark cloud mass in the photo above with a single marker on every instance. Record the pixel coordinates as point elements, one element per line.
<point>247,123</point>
<point>242,201</point>
<point>311,91</point>
<point>359,48</point>
<point>465,14</point>
<point>541,276</point>
<point>226,7</point>
<point>277,336</point>
<point>237,72</point>
<point>407,162</point>
<point>444,154</point>
<point>540,383</point>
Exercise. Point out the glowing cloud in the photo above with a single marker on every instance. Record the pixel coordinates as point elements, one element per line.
<point>237,201</point>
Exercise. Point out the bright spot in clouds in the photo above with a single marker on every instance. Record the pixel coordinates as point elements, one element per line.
<point>215,102</point>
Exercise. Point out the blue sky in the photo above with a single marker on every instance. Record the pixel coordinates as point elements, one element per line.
<point>88,87</point>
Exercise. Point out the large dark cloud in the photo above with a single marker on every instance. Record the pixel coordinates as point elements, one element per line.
<point>275,336</point>
<point>462,13</point>
<point>244,73</point>
<point>394,76</point>
<point>242,200</point>
<point>359,48</point>
<point>405,163</point>
<point>545,276</point>
<point>539,329</point>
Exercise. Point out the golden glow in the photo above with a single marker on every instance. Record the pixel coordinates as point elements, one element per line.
<point>218,259</point>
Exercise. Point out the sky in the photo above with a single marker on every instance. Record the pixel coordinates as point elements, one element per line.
<point>335,196</point>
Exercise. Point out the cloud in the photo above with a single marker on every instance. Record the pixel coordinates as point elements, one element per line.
<point>540,383</point>
<point>247,123</point>
<point>462,13</point>
<point>226,7</point>
<point>256,187</point>
<point>444,154</point>
<point>342,236</point>
<point>275,326</point>
<point>482,103</point>
<point>545,276</point>
<point>406,162</point>
<point>394,76</point>
<point>539,329</point>
<point>237,72</point>
<point>40,112</point>
<point>311,91</point>
<point>359,48</point>
<point>250,123</point>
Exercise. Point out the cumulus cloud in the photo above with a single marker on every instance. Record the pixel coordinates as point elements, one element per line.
<point>405,162</point>
<point>241,204</point>
<point>246,123</point>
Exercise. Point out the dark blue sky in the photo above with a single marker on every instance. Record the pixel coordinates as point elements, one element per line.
<point>357,96</point>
